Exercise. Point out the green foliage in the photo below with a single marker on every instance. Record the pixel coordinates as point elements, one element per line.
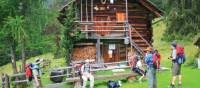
<point>183,20</point>
<point>71,34</point>
<point>13,29</point>
<point>39,17</point>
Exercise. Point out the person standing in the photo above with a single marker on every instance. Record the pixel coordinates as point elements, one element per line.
<point>177,58</point>
<point>151,70</point>
<point>36,72</point>
<point>86,74</point>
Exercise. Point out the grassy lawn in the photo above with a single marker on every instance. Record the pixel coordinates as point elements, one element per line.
<point>191,77</point>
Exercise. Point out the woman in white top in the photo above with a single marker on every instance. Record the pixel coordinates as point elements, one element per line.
<point>138,68</point>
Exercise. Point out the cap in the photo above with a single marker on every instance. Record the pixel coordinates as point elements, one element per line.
<point>174,43</point>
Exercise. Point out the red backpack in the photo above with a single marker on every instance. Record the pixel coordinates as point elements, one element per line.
<point>156,60</point>
<point>28,72</point>
<point>180,54</point>
<point>179,50</point>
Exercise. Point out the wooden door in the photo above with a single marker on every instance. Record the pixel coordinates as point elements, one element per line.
<point>108,57</point>
<point>101,24</point>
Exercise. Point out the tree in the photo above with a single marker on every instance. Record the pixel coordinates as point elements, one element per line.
<point>71,33</point>
<point>182,19</point>
<point>14,33</point>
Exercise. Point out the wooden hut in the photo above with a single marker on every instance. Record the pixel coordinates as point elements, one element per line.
<point>113,29</point>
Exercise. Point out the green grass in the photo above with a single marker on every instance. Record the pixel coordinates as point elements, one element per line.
<point>190,80</point>
<point>191,77</point>
<point>49,56</point>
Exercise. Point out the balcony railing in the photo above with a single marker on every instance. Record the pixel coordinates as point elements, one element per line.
<point>104,29</point>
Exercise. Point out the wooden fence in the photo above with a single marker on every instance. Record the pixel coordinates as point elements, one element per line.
<point>72,73</point>
<point>5,81</point>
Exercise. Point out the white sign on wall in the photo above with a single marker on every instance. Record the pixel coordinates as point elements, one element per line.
<point>112,46</point>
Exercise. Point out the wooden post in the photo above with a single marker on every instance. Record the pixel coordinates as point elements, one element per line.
<point>98,51</point>
<point>86,11</point>
<point>73,72</point>
<point>126,53</point>
<point>5,81</point>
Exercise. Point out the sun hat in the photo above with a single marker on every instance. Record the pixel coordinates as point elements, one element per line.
<point>148,49</point>
<point>38,60</point>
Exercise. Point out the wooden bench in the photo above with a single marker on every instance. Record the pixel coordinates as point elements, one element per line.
<point>77,81</point>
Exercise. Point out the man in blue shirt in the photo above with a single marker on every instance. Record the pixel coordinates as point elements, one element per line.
<point>151,71</point>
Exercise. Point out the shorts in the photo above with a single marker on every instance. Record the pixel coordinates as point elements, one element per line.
<point>35,72</point>
<point>176,69</point>
<point>139,71</point>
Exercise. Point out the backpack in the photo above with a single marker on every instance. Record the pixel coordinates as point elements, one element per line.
<point>113,84</point>
<point>28,71</point>
<point>149,59</point>
<point>79,69</point>
<point>155,60</point>
<point>179,49</point>
<point>180,55</point>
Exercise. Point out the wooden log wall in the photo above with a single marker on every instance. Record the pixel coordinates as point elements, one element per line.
<point>140,20</point>
<point>138,17</point>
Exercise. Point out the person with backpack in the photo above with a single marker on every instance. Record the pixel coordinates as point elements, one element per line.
<point>137,67</point>
<point>86,74</point>
<point>37,72</point>
<point>178,58</point>
<point>151,70</point>
<point>156,59</point>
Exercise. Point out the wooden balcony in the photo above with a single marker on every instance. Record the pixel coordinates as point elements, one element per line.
<point>103,29</point>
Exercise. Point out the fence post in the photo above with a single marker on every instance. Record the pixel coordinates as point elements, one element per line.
<point>7,84</point>
<point>73,72</point>
<point>5,81</point>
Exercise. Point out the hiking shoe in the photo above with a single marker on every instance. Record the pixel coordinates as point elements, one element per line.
<point>179,85</point>
<point>172,86</point>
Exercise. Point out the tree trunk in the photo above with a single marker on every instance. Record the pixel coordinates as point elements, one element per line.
<point>23,56</point>
<point>13,58</point>
<point>67,57</point>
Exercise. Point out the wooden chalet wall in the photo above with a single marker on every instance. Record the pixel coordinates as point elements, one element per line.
<point>140,15</point>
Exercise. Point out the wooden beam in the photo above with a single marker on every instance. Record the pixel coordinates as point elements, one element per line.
<point>150,8</point>
<point>98,51</point>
